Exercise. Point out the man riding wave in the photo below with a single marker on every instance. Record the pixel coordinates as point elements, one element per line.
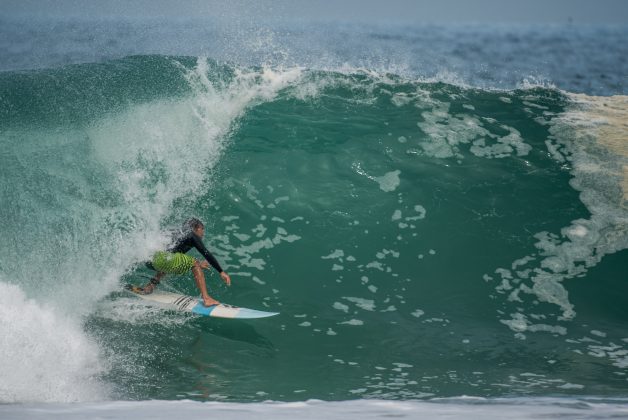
<point>176,261</point>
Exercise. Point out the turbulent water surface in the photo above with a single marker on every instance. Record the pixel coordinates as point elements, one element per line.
<point>436,212</point>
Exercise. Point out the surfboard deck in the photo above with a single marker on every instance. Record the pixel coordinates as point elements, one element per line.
<point>185,303</point>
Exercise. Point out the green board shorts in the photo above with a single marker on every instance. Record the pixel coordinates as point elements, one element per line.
<point>172,263</point>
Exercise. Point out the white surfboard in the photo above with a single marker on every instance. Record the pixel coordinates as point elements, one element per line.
<point>195,305</point>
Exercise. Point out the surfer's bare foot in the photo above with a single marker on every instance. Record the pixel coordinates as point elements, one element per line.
<point>136,289</point>
<point>210,302</point>
<point>148,289</point>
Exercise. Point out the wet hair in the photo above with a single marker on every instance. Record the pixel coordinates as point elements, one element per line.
<point>192,224</point>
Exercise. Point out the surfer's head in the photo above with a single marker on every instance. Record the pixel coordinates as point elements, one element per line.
<point>195,226</point>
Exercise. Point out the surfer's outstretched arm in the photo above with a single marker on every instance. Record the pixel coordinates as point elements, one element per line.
<point>211,260</point>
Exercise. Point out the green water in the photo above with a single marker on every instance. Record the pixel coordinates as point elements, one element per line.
<point>388,220</point>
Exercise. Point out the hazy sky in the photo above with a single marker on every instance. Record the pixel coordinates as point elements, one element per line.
<point>437,11</point>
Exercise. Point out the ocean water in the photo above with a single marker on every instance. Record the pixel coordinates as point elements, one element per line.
<point>438,212</point>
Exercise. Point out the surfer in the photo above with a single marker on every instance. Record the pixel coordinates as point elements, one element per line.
<point>175,260</point>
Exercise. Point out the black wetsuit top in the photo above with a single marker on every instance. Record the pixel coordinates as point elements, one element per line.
<point>183,242</point>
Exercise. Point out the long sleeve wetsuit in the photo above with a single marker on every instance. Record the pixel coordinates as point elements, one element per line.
<point>185,242</point>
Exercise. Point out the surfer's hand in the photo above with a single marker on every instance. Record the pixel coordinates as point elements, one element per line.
<point>204,265</point>
<point>226,278</point>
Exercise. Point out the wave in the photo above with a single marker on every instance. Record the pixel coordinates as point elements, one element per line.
<point>93,164</point>
<point>361,204</point>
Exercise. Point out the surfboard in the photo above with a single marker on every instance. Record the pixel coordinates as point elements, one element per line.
<point>195,305</point>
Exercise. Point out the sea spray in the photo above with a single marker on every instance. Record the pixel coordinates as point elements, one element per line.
<point>85,202</point>
<point>46,356</point>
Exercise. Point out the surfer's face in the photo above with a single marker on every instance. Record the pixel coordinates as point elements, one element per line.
<point>199,231</point>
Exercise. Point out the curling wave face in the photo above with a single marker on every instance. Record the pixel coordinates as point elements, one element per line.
<point>421,239</point>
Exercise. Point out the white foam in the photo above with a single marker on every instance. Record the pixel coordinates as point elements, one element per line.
<point>421,210</point>
<point>617,354</point>
<point>375,264</point>
<point>389,181</point>
<point>336,254</point>
<point>341,307</point>
<point>258,281</point>
<point>571,386</point>
<point>519,323</point>
<point>591,135</point>
<point>418,313</point>
<point>504,146</point>
<point>242,236</point>
<point>355,322</point>
<point>45,355</point>
<point>366,304</point>
<point>446,133</point>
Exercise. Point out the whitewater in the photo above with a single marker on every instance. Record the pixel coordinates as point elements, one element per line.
<point>445,233</point>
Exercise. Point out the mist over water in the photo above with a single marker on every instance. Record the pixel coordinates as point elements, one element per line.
<point>435,211</point>
<point>578,58</point>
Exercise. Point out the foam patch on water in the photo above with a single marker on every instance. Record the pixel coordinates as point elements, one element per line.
<point>418,313</point>
<point>591,135</point>
<point>251,244</point>
<point>387,182</point>
<point>338,253</point>
<point>446,133</point>
<point>505,145</point>
<point>616,353</point>
<point>365,304</point>
<point>520,324</point>
<point>354,322</point>
<point>341,307</point>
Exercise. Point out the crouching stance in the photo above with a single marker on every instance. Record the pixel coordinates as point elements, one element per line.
<point>176,261</point>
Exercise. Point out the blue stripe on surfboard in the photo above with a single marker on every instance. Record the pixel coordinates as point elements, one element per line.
<point>202,309</point>
<point>241,313</point>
